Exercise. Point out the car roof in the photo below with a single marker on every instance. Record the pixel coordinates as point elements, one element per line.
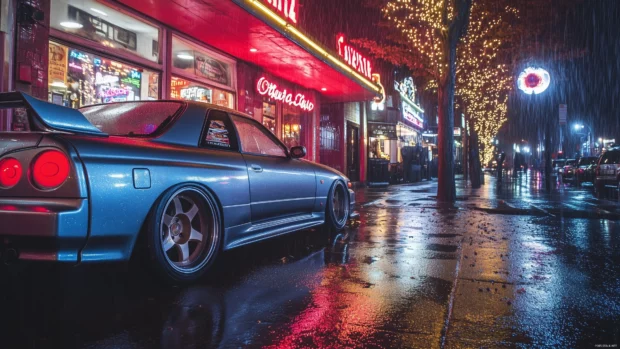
<point>210,106</point>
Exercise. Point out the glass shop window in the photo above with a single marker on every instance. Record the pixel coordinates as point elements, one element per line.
<point>77,78</point>
<point>196,62</point>
<point>95,21</point>
<point>193,91</point>
<point>294,126</point>
<point>269,116</point>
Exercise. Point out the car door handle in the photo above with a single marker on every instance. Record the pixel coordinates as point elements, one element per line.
<point>256,168</point>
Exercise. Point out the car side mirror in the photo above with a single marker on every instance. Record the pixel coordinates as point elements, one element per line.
<point>298,152</point>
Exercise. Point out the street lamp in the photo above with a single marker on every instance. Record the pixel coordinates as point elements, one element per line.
<point>579,127</point>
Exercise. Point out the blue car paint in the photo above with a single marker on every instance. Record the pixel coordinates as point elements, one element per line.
<point>291,193</point>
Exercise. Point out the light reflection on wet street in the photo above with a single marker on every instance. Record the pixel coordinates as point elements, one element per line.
<point>505,267</point>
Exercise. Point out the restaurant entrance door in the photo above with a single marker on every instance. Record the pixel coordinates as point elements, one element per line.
<point>353,158</point>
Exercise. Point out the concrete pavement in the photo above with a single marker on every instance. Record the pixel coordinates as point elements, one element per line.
<point>505,267</point>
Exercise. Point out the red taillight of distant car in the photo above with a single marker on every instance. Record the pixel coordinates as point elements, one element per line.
<point>50,169</point>
<point>10,172</point>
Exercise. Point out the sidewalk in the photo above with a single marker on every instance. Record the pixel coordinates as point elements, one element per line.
<point>516,196</point>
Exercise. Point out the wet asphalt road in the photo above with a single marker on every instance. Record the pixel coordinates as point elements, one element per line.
<point>506,267</point>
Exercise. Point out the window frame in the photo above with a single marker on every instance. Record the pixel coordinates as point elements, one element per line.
<point>263,129</point>
<point>203,133</point>
<point>204,81</point>
<point>99,48</point>
<point>136,63</point>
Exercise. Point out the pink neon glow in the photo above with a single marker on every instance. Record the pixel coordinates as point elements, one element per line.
<point>287,7</point>
<point>264,87</point>
<point>354,58</point>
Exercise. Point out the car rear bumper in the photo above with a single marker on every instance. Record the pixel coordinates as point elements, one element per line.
<point>44,229</point>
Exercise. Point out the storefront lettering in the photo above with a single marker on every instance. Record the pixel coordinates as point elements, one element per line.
<point>287,7</point>
<point>111,92</point>
<point>101,79</point>
<point>412,116</point>
<point>387,131</point>
<point>79,55</point>
<point>131,81</point>
<point>354,58</point>
<point>264,87</point>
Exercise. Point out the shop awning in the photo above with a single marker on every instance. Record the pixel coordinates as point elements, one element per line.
<point>232,26</point>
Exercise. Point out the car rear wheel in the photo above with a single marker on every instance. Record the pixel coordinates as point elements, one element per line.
<point>184,234</point>
<point>337,210</point>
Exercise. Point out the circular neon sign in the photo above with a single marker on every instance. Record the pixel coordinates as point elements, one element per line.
<point>533,80</point>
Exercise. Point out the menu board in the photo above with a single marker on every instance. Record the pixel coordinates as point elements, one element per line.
<point>382,130</point>
<point>212,69</point>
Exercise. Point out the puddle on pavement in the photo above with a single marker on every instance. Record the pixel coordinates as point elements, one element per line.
<point>441,247</point>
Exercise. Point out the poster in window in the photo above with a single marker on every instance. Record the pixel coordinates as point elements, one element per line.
<point>153,86</point>
<point>218,134</point>
<point>57,70</point>
<point>211,69</point>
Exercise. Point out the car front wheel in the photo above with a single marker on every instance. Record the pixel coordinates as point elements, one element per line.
<point>337,210</point>
<point>184,234</point>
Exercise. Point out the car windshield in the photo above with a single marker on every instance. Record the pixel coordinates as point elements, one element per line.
<point>611,157</point>
<point>558,163</point>
<point>587,161</point>
<point>132,119</point>
<point>570,162</point>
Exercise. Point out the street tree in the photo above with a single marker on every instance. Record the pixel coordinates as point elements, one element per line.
<point>422,35</point>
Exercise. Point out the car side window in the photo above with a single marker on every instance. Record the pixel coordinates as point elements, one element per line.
<point>219,132</point>
<point>256,140</point>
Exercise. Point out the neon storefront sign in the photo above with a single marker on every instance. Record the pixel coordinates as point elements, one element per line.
<point>267,88</point>
<point>412,116</point>
<point>112,92</point>
<point>354,58</point>
<point>288,8</point>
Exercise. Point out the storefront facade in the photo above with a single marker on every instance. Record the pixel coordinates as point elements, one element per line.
<point>395,135</point>
<point>102,52</point>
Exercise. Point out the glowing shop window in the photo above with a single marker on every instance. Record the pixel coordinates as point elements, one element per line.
<point>77,78</point>
<point>95,21</point>
<point>192,91</point>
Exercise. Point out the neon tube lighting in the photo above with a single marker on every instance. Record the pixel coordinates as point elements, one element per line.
<point>316,47</point>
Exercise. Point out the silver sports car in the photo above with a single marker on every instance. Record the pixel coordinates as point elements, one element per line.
<point>193,178</point>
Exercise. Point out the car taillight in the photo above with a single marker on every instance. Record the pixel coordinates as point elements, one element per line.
<point>10,172</point>
<point>50,169</point>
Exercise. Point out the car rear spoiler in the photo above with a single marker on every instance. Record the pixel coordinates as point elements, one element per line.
<point>51,116</point>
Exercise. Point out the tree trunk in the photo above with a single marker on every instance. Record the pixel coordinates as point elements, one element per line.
<point>474,158</point>
<point>446,189</point>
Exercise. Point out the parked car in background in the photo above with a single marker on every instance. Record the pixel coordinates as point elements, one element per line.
<point>190,179</point>
<point>568,173</point>
<point>584,172</point>
<point>558,167</point>
<point>608,171</point>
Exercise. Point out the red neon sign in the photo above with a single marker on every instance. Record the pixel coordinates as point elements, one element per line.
<point>264,87</point>
<point>354,58</point>
<point>287,7</point>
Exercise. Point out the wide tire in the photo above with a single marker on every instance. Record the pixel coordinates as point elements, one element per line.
<point>337,208</point>
<point>184,234</point>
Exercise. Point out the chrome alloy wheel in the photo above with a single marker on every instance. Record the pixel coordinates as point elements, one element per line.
<point>340,204</point>
<point>188,232</point>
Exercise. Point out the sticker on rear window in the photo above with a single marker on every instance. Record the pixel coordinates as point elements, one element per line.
<point>218,134</point>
